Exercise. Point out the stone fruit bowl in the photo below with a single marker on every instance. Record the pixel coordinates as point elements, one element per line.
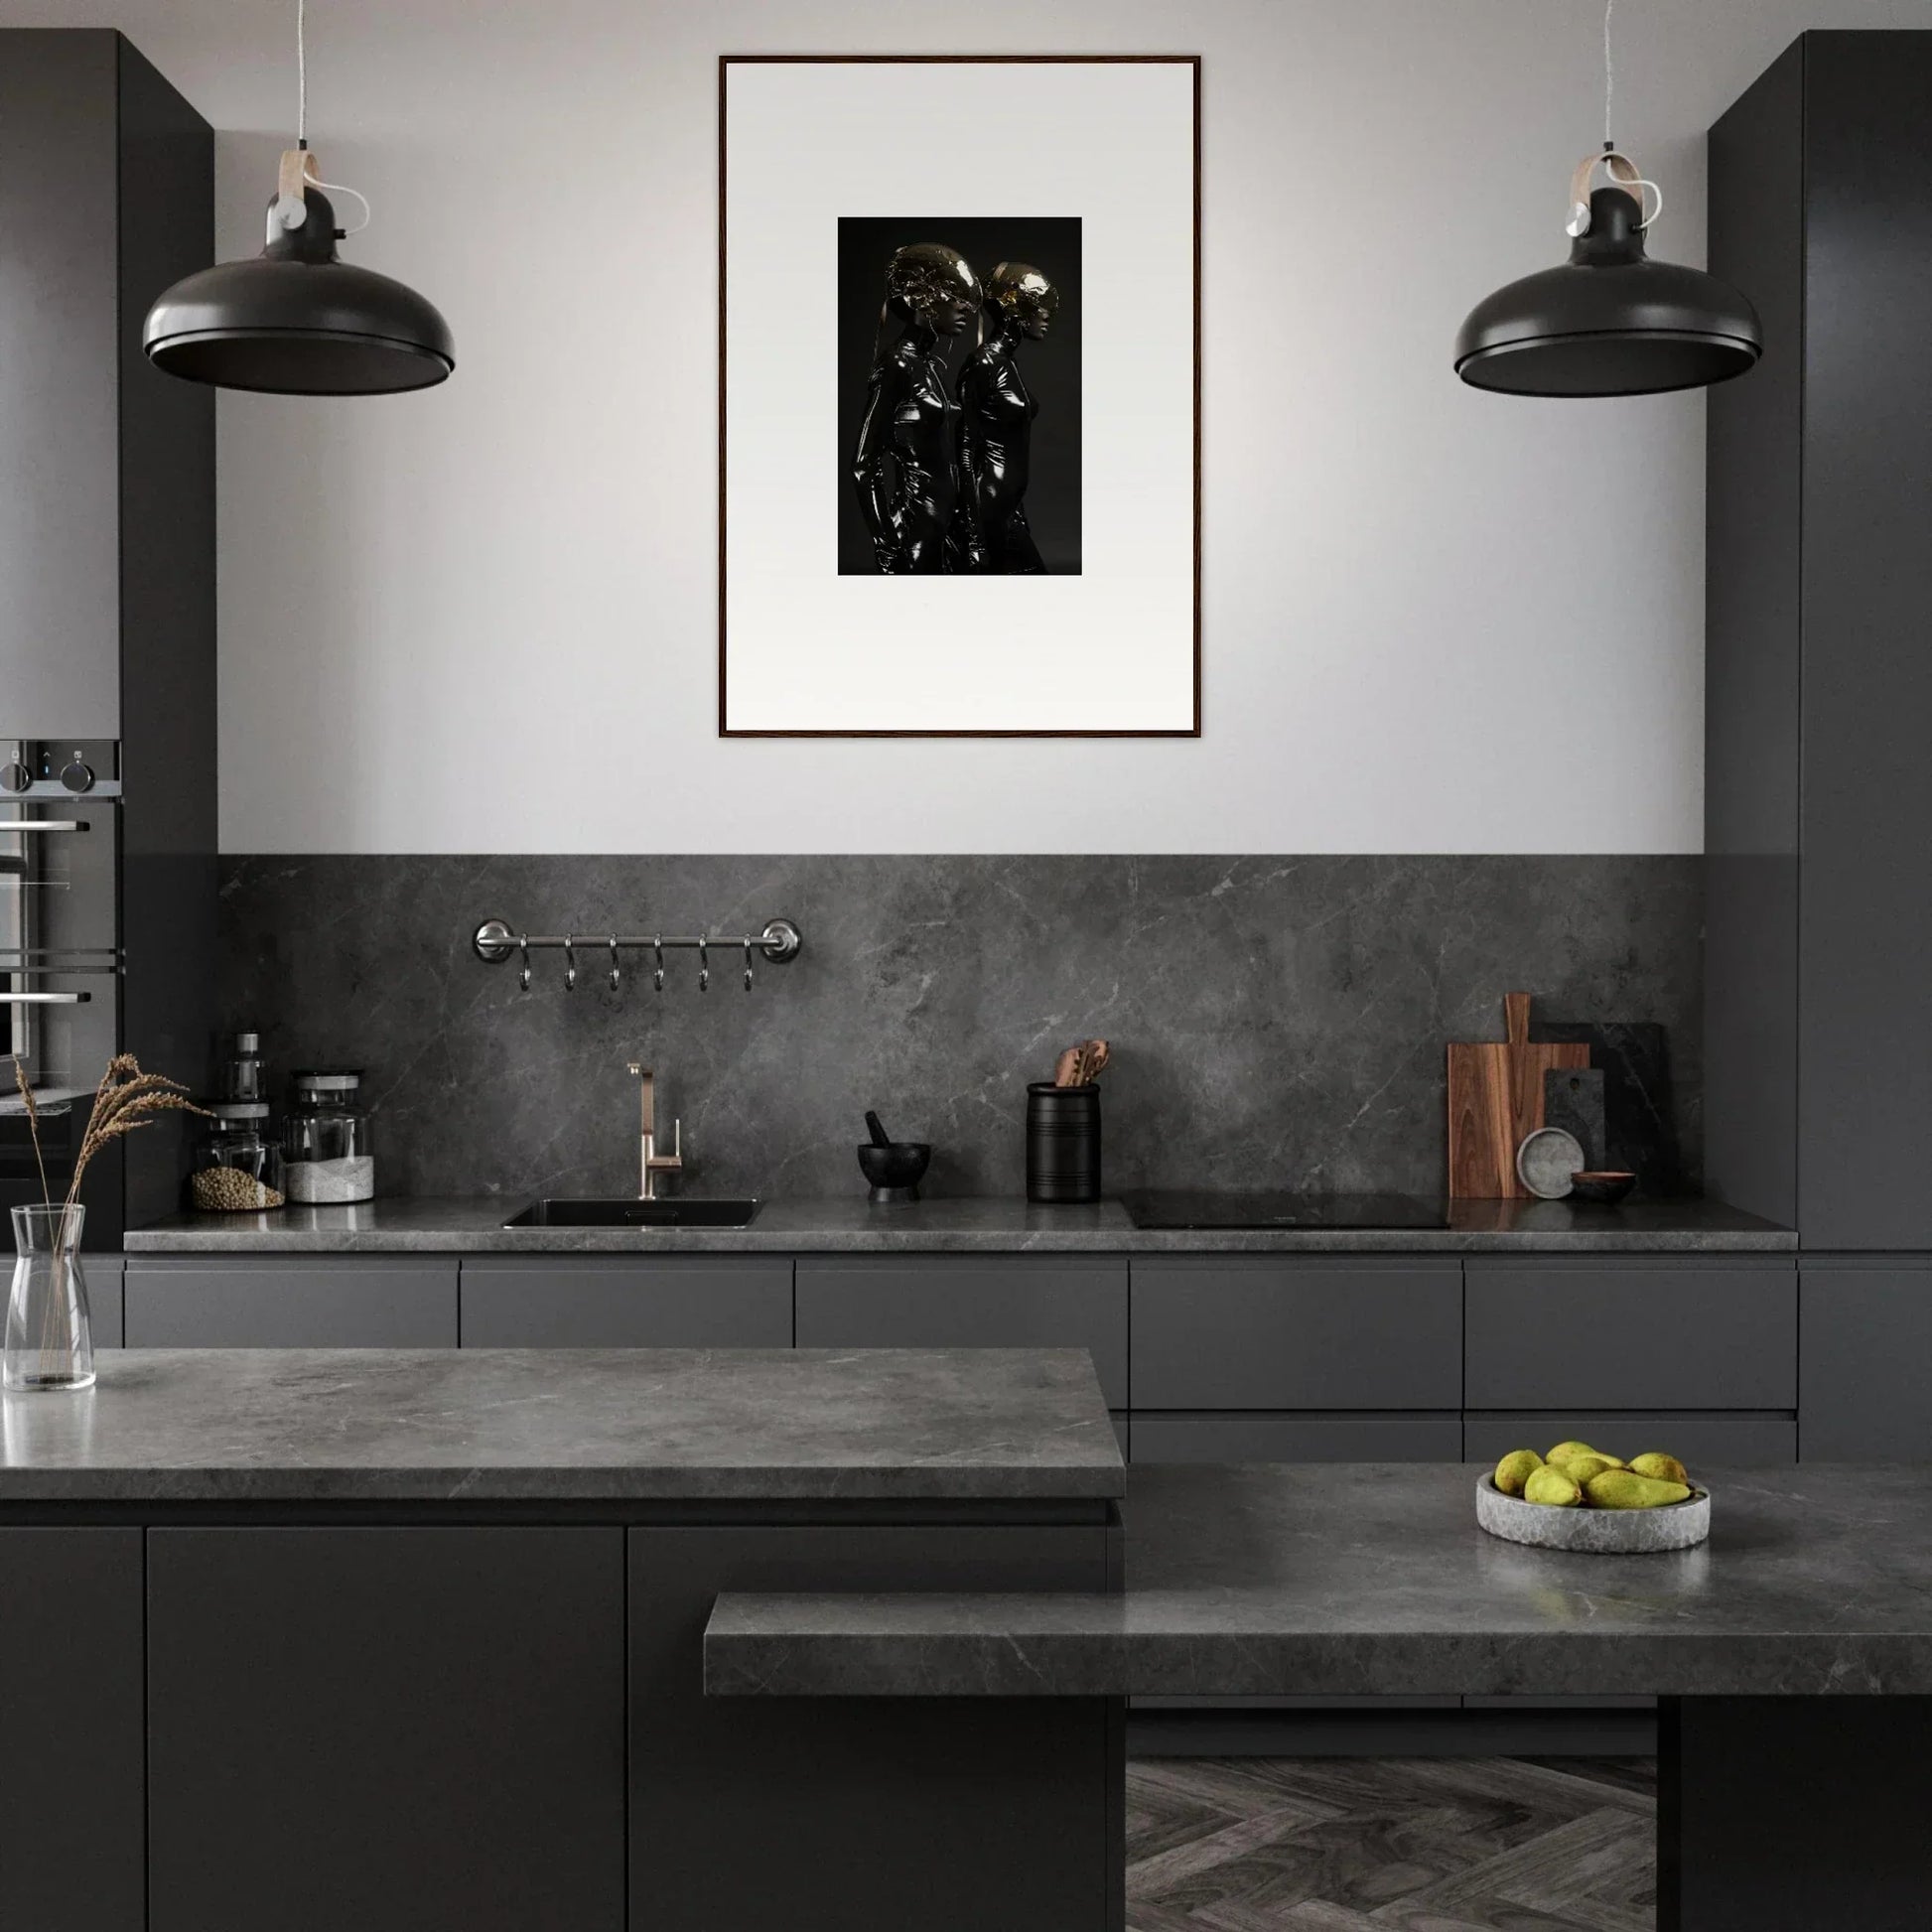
<point>1599,1532</point>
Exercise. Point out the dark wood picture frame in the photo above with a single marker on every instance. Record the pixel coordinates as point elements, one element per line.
<point>729,61</point>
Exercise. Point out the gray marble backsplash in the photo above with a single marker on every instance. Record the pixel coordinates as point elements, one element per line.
<point>1275,1021</point>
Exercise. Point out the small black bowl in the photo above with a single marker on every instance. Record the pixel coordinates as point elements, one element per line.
<point>1603,1186</point>
<point>895,1169</point>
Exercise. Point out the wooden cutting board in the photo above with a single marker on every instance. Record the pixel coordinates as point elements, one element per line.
<point>1495,1099</point>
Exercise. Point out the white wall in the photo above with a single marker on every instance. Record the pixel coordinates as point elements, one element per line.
<point>484,619</point>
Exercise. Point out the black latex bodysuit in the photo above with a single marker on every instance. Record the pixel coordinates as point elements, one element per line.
<point>996,436</point>
<point>908,430</point>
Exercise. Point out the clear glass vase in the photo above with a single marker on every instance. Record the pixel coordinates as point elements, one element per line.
<point>49,1339</point>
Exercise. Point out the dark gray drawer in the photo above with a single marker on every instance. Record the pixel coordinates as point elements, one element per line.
<point>963,1302</point>
<point>386,1302</point>
<point>1266,1333</point>
<point>615,1301</point>
<point>103,1273</point>
<point>1868,1336</point>
<point>1556,1333</point>
<point>1719,1441</point>
<point>1297,1439</point>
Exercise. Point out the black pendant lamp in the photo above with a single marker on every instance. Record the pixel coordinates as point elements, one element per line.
<point>298,321</point>
<point>1609,322</point>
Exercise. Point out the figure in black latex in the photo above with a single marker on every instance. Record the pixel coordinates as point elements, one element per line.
<point>995,427</point>
<point>905,465</point>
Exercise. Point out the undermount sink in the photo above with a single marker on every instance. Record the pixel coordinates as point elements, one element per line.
<point>634,1213</point>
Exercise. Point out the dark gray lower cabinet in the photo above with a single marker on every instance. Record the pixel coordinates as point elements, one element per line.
<point>1548,1331</point>
<point>616,1302</point>
<point>1230,1437</point>
<point>388,1730</point>
<point>741,1807</point>
<point>1866,1335</point>
<point>73,1794</point>
<point>320,1302</point>
<point>963,1302</point>
<point>103,1273</point>
<point>1719,1441</point>
<point>1265,1332</point>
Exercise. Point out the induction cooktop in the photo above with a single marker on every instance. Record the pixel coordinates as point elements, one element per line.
<point>1201,1209</point>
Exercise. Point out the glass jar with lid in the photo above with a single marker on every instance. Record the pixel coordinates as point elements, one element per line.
<point>330,1156</point>
<point>239,1161</point>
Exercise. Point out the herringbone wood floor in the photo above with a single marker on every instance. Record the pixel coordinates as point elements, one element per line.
<point>1391,1845</point>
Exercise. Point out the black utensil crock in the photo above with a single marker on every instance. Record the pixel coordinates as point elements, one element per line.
<point>1063,1143</point>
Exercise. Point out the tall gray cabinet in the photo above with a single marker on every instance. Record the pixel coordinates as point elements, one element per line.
<point>106,603</point>
<point>1818,708</point>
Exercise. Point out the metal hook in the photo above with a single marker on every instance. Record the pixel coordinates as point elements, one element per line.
<point>657,978</point>
<point>523,977</point>
<point>617,971</point>
<point>747,965</point>
<point>704,964</point>
<point>570,962</point>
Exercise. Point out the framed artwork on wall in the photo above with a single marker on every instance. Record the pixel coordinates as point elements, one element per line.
<point>959,396</point>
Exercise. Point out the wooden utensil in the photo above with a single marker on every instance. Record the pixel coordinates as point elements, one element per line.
<point>1495,1100</point>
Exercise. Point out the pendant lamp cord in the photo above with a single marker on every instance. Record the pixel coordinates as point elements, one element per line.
<point>1610,75</point>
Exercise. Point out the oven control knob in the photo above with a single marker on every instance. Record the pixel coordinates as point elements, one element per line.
<point>78,776</point>
<point>15,776</point>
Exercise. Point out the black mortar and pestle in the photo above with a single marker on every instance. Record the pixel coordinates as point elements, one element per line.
<point>893,1167</point>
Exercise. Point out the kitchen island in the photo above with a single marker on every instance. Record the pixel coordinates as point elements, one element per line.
<point>413,1639</point>
<point>1793,1651</point>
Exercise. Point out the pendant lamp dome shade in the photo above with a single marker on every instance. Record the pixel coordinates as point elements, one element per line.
<point>1609,322</point>
<point>297,320</point>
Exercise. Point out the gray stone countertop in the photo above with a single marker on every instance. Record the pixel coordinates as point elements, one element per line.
<point>291,1425</point>
<point>1373,1578</point>
<point>957,1226</point>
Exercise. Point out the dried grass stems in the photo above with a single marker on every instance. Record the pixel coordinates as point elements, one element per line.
<point>125,1099</point>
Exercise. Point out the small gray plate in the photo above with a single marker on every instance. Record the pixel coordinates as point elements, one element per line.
<point>1546,1160</point>
<point>1595,1532</point>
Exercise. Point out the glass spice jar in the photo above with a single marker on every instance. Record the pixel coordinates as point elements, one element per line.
<point>329,1153</point>
<point>239,1162</point>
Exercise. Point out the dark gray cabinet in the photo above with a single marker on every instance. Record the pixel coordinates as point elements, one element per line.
<point>396,1730</point>
<point>1714,1440</point>
<point>107,526</point>
<point>1866,1330</point>
<point>1234,1438</point>
<point>320,1302</point>
<point>740,1805</point>
<point>103,1273</point>
<point>1268,1332</point>
<point>1553,1332</point>
<point>1819,494</point>
<point>74,1796</point>
<point>970,1302</point>
<point>617,1302</point>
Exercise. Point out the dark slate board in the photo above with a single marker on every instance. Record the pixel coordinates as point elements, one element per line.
<point>1640,1126</point>
<point>1573,1099</point>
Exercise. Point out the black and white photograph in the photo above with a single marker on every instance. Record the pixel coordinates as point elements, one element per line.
<point>959,384</point>
<point>982,369</point>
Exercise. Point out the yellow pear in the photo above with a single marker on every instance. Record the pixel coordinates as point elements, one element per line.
<point>1580,1469</point>
<point>1622,1490</point>
<point>1666,1468</point>
<point>1547,1485</point>
<point>1515,1470</point>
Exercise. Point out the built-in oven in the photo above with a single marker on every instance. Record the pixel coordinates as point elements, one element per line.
<point>61,957</point>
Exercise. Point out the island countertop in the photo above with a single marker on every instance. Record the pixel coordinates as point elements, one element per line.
<point>574,1426</point>
<point>1373,1578</point>
<point>959,1225</point>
